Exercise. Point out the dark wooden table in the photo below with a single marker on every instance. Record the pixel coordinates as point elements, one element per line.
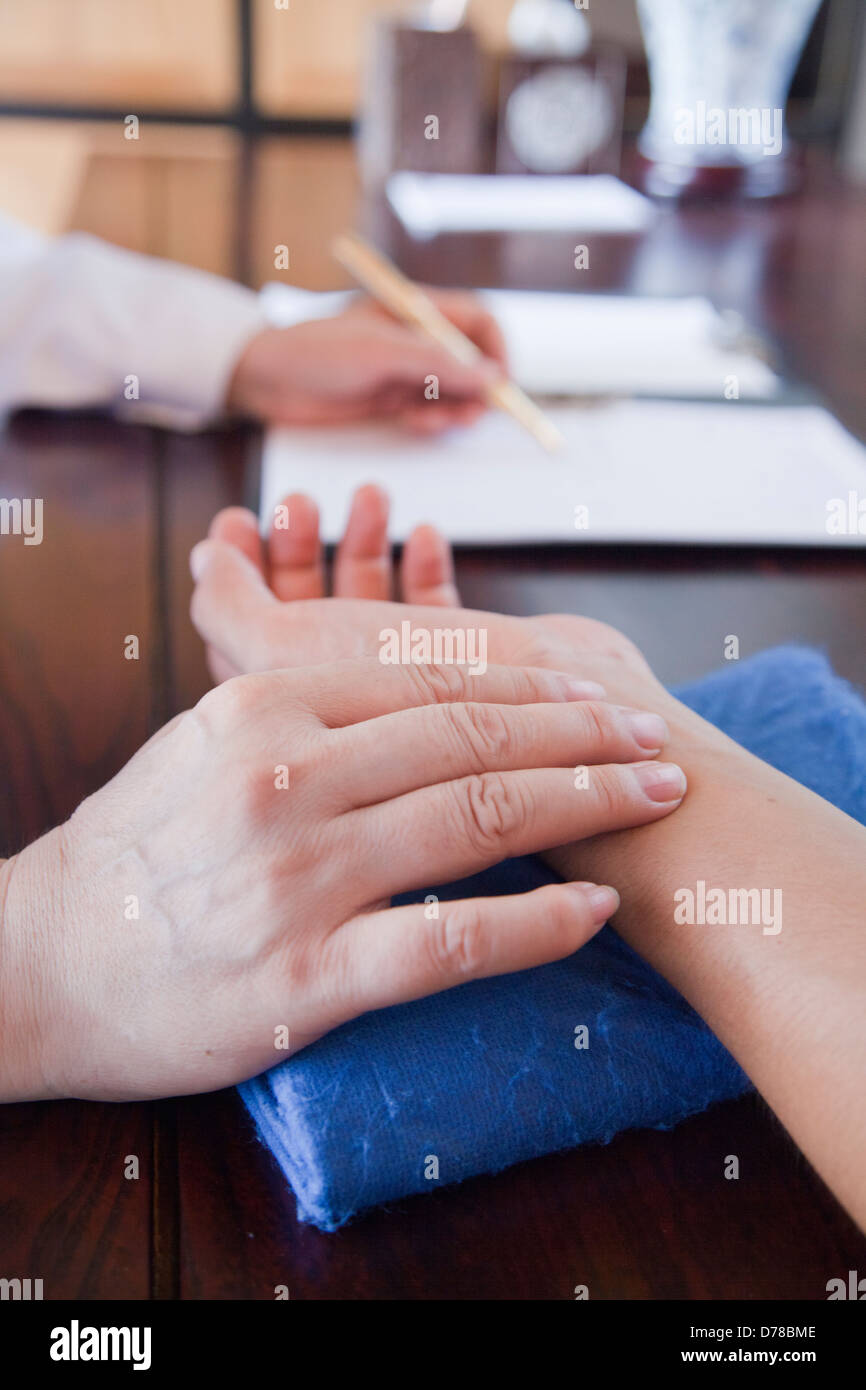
<point>648,1217</point>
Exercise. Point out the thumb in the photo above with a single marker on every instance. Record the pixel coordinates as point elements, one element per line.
<point>230,604</point>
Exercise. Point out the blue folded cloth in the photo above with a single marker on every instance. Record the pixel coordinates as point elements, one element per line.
<point>488,1074</point>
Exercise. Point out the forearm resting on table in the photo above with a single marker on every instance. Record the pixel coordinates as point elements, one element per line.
<point>789,1004</point>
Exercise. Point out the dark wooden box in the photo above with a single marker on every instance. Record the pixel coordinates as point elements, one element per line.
<point>421,102</point>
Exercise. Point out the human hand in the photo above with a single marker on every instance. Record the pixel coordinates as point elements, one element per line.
<point>743,823</point>
<point>231,882</point>
<point>291,565</point>
<point>364,364</point>
<point>240,578</point>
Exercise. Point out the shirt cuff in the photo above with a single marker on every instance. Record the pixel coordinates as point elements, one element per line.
<point>190,331</point>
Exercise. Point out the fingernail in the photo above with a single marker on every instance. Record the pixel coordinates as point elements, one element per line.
<point>648,730</point>
<point>603,900</point>
<point>661,781</point>
<point>197,560</point>
<point>583,690</point>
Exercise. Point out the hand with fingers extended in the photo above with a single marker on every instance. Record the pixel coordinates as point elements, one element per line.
<point>223,900</point>
<point>243,611</point>
<point>262,604</point>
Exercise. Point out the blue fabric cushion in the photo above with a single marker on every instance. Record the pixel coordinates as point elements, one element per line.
<point>487,1074</point>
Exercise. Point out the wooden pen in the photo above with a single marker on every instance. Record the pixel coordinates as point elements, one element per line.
<point>376,274</point>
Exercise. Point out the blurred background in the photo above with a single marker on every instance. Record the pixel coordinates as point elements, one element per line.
<point>247,109</point>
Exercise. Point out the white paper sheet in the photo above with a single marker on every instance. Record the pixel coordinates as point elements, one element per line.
<point>650,471</point>
<point>597,344</point>
<point>428,204</point>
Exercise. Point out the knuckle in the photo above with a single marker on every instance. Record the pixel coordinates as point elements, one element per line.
<point>484,730</point>
<point>610,795</point>
<point>231,703</point>
<point>459,943</point>
<point>597,721</point>
<point>439,684</point>
<point>210,712</point>
<point>494,810</point>
<point>561,920</point>
<point>256,798</point>
<point>528,686</point>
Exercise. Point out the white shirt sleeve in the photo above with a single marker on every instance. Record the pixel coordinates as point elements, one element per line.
<point>83,323</point>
